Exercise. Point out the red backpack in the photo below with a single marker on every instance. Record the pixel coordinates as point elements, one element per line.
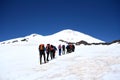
<point>41,47</point>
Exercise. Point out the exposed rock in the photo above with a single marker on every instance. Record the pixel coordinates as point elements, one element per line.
<point>14,41</point>
<point>25,40</point>
<point>86,43</point>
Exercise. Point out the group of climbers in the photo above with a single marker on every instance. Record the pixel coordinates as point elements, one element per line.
<point>70,48</point>
<point>50,50</point>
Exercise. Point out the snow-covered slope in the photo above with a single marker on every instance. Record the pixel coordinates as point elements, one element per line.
<point>67,35</point>
<point>20,59</point>
<point>73,36</point>
<point>86,63</point>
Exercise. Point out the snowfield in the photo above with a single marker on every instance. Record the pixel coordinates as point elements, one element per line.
<point>19,59</point>
<point>86,63</point>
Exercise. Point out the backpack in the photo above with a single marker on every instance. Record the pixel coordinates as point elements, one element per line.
<point>71,46</point>
<point>59,46</point>
<point>48,47</point>
<point>41,47</point>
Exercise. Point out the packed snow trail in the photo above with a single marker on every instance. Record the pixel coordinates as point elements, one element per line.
<point>86,63</point>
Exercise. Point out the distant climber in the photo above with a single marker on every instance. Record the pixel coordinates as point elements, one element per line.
<point>59,48</point>
<point>42,53</point>
<point>54,51</point>
<point>73,48</point>
<point>48,51</point>
<point>63,49</point>
<point>70,48</point>
<point>51,51</point>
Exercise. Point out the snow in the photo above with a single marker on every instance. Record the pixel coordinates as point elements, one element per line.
<point>86,63</point>
<point>67,35</point>
<point>73,36</point>
<point>114,74</point>
<point>20,61</point>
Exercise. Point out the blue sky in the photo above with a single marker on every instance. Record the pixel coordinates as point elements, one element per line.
<point>98,18</point>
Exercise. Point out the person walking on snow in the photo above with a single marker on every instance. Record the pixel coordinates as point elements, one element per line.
<point>48,51</point>
<point>51,51</point>
<point>54,51</point>
<point>59,47</point>
<point>63,49</point>
<point>42,53</point>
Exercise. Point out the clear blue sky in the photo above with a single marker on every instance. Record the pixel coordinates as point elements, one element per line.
<point>98,18</point>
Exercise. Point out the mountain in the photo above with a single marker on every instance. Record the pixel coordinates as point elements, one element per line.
<point>73,36</point>
<point>67,35</point>
<point>20,59</point>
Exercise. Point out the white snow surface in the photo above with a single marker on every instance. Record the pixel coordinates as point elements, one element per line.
<point>20,61</point>
<point>73,36</point>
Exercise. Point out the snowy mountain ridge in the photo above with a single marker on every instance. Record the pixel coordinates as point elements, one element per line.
<point>67,35</point>
<point>74,36</point>
<point>21,62</point>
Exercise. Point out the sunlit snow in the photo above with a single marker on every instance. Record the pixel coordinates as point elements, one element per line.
<point>20,60</point>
